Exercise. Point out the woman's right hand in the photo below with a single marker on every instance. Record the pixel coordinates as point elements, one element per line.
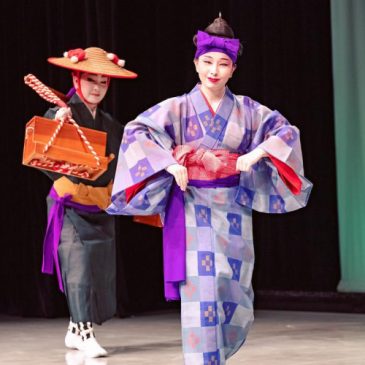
<point>180,173</point>
<point>63,113</point>
<point>245,162</point>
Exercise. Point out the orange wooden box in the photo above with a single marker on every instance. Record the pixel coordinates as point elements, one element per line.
<point>150,220</point>
<point>68,154</point>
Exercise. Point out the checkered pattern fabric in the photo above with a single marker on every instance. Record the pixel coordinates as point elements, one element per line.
<point>216,308</point>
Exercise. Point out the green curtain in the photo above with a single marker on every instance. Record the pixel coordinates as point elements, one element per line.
<point>348,44</point>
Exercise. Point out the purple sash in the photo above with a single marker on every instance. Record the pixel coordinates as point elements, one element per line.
<point>54,228</point>
<point>174,234</point>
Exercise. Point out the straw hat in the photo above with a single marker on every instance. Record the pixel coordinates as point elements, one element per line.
<point>93,60</point>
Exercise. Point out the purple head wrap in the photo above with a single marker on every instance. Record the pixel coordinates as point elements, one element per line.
<point>210,43</point>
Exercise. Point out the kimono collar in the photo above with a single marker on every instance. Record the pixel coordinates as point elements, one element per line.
<point>83,114</point>
<point>214,124</point>
<point>201,105</point>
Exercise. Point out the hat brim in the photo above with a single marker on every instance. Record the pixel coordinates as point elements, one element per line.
<point>96,62</point>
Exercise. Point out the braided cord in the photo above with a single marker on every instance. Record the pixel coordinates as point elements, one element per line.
<point>43,90</point>
<point>81,134</point>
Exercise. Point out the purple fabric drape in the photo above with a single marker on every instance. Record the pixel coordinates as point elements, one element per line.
<point>174,234</point>
<point>54,228</point>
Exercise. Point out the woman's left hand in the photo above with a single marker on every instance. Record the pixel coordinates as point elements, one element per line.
<point>180,173</point>
<point>245,162</point>
<point>63,113</point>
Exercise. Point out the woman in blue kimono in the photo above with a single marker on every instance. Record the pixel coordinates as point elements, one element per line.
<point>204,161</point>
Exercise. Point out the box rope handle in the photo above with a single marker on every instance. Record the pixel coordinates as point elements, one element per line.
<point>51,97</point>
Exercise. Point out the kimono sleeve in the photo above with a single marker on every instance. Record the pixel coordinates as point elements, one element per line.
<point>262,189</point>
<point>145,152</point>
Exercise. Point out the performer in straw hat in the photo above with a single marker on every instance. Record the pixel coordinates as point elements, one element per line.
<point>77,222</point>
<point>204,161</point>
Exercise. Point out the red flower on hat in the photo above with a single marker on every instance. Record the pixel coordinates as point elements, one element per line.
<point>114,58</point>
<point>75,55</point>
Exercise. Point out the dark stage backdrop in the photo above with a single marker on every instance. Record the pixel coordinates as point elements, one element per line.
<point>286,65</point>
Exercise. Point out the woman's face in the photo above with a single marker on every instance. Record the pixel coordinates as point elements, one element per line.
<point>93,87</point>
<point>214,69</point>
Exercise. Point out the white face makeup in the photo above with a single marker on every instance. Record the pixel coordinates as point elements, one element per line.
<point>214,69</point>
<point>93,88</point>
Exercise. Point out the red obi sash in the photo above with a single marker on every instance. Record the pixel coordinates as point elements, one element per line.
<point>206,164</point>
<point>206,169</point>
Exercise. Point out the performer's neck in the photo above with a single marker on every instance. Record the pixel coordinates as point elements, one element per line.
<point>213,97</point>
<point>91,107</point>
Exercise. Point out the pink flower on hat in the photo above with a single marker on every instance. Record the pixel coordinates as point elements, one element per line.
<point>75,55</point>
<point>114,58</point>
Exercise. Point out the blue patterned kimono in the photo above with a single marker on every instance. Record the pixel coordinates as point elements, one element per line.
<point>217,296</point>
